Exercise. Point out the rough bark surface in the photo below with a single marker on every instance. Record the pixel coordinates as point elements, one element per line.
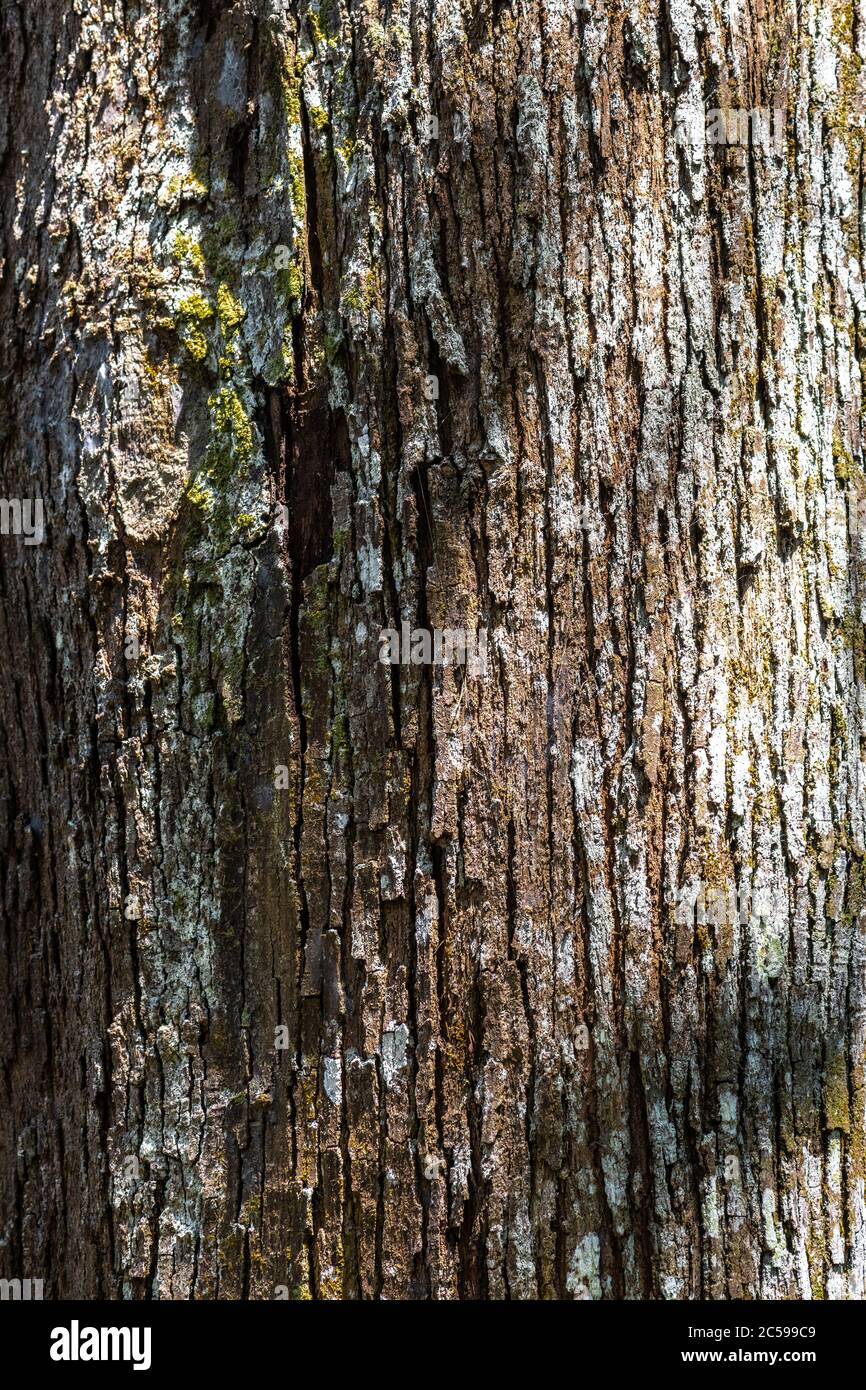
<point>328,979</point>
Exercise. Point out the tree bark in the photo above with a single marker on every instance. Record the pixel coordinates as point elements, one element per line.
<point>328,978</point>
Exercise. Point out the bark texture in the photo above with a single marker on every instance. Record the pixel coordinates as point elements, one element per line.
<point>329,979</point>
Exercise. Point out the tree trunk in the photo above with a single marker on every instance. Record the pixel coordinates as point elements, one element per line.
<point>539,976</point>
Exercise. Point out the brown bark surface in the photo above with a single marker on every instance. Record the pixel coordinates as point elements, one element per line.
<point>325,978</point>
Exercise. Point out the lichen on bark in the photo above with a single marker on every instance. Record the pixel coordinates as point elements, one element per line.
<point>357,981</point>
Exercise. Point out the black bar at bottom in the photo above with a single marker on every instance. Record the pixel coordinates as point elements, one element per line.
<point>222,1338</point>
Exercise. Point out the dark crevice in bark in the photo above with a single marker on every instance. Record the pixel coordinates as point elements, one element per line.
<point>641,1151</point>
